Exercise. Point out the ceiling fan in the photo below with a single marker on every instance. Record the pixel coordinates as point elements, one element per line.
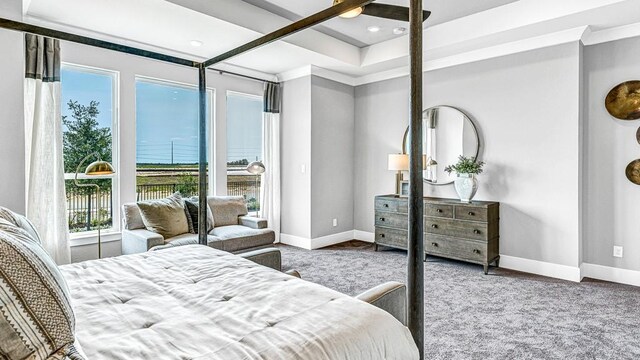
<point>385,11</point>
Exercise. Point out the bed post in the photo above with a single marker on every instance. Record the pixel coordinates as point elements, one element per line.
<point>202,155</point>
<point>415,289</point>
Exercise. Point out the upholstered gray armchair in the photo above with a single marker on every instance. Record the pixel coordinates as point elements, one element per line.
<point>233,230</point>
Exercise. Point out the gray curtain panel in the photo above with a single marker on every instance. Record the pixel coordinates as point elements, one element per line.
<point>42,58</point>
<point>272,97</point>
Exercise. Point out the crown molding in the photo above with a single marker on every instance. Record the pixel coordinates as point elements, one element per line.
<point>612,34</point>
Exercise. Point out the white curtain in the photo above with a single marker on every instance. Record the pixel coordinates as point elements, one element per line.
<point>46,199</point>
<point>270,184</point>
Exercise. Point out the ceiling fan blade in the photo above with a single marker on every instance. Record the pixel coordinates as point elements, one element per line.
<point>392,12</point>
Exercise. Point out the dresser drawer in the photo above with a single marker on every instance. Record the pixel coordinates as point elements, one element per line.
<point>392,204</point>
<point>438,210</point>
<point>460,249</point>
<point>472,213</point>
<point>391,237</point>
<point>393,220</point>
<point>457,228</point>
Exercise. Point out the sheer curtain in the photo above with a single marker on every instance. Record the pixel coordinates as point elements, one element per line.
<point>46,203</point>
<point>270,184</point>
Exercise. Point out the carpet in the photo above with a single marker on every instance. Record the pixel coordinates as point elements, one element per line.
<point>503,315</point>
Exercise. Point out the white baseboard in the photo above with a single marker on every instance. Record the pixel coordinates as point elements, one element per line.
<point>607,273</point>
<point>296,241</point>
<point>364,236</point>
<point>332,239</point>
<point>557,271</point>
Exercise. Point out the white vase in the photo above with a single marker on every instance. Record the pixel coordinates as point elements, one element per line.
<point>466,186</point>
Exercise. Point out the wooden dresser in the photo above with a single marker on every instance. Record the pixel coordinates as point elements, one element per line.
<point>455,230</point>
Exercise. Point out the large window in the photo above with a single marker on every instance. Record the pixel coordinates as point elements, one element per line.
<point>89,117</point>
<point>167,138</point>
<point>244,145</point>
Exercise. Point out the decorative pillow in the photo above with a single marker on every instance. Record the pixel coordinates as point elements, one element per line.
<point>21,222</point>
<point>192,206</point>
<point>36,318</point>
<point>226,209</point>
<point>165,216</point>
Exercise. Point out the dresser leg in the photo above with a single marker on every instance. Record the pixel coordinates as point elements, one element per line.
<point>376,247</point>
<point>486,269</point>
<point>498,262</point>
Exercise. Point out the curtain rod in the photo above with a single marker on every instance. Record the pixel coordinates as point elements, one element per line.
<point>243,76</point>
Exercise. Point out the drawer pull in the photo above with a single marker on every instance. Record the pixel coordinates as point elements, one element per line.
<point>471,213</point>
<point>439,210</point>
<point>382,219</point>
<point>476,251</point>
<point>381,235</point>
<point>386,205</point>
<point>435,244</point>
<point>435,226</point>
<point>476,231</point>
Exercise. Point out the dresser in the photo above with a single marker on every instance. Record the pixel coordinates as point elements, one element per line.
<point>462,231</point>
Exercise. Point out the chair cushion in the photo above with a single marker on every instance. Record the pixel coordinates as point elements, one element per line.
<point>36,320</point>
<point>226,209</point>
<point>192,206</point>
<point>165,216</point>
<point>187,239</point>
<point>237,237</point>
<point>131,217</point>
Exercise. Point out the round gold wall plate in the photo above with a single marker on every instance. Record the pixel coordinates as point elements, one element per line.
<point>638,135</point>
<point>623,101</point>
<point>633,171</point>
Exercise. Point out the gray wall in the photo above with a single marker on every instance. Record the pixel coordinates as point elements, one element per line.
<point>527,109</point>
<point>611,206</point>
<point>295,154</point>
<point>332,154</point>
<point>12,142</point>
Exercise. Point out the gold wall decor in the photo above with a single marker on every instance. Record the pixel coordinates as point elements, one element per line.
<point>638,135</point>
<point>623,101</point>
<point>633,171</point>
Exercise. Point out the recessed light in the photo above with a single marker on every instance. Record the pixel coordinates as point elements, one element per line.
<point>399,30</point>
<point>195,43</point>
<point>373,29</point>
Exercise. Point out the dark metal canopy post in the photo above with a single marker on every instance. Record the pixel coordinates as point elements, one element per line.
<point>202,154</point>
<point>299,25</point>
<point>415,281</point>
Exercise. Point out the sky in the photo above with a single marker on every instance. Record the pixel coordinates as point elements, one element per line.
<point>167,117</point>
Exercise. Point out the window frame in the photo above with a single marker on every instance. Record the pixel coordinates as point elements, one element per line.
<point>115,152</point>
<point>211,96</point>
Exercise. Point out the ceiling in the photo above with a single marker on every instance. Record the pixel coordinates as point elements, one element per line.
<point>456,28</point>
<point>354,31</point>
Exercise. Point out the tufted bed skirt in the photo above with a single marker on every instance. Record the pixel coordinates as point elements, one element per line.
<point>195,302</point>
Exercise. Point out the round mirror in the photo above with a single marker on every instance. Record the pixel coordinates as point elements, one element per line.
<point>447,133</point>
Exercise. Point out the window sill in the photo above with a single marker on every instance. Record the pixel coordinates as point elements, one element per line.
<point>91,238</point>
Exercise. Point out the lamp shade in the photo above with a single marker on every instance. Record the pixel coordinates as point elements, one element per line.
<point>99,168</point>
<point>256,168</point>
<point>351,13</point>
<point>399,162</point>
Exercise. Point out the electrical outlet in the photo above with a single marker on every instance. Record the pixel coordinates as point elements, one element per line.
<point>617,251</point>
<point>335,222</point>
<point>303,168</point>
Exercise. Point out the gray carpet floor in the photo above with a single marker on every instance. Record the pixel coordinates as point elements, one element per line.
<point>503,315</point>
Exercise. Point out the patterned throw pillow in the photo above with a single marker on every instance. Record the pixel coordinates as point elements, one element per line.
<point>192,205</point>
<point>165,216</point>
<point>36,318</point>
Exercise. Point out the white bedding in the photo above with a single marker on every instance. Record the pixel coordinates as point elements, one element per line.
<point>195,302</point>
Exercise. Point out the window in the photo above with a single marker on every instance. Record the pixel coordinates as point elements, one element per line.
<point>167,138</point>
<point>89,123</point>
<point>244,145</point>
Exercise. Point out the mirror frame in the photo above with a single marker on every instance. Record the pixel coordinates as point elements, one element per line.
<point>473,126</point>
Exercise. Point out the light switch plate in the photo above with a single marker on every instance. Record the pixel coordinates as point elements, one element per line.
<point>335,222</point>
<point>617,251</point>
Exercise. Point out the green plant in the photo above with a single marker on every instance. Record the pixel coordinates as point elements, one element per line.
<point>465,165</point>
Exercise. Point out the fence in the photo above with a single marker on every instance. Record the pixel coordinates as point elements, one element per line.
<point>82,207</point>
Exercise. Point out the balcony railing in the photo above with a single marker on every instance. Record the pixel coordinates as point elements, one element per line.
<point>82,209</point>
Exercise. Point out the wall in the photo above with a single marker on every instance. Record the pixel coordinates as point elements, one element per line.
<point>332,154</point>
<point>611,206</point>
<point>295,154</point>
<point>527,109</point>
<point>12,140</point>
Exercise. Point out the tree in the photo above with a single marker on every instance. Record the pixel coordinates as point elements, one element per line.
<point>84,136</point>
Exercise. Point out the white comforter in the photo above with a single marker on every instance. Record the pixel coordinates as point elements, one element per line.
<point>194,302</point>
